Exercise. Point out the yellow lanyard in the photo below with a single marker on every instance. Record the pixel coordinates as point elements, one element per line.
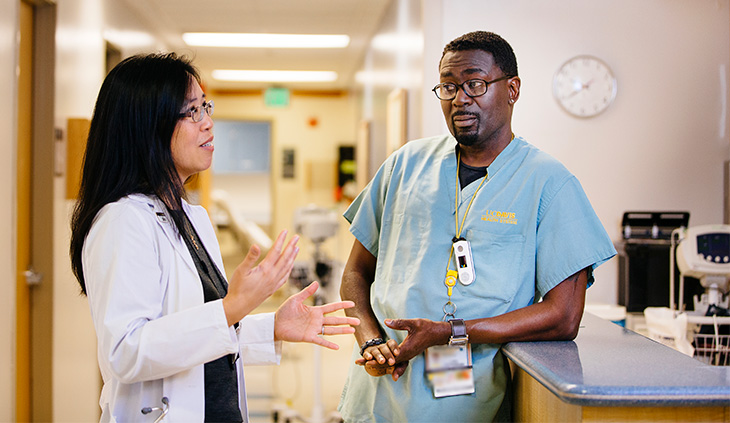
<point>451,275</point>
<point>458,227</point>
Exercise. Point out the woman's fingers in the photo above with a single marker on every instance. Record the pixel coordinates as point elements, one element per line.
<point>306,292</point>
<point>279,241</point>
<point>285,263</point>
<point>251,284</point>
<point>338,330</point>
<point>250,260</point>
<point>325,343</point>
<point>278,263</point>
<point>278,250</point>
<point>340,320</point>
<point>329,308</point>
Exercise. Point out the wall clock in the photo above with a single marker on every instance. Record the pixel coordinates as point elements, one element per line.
<point>584,86</point>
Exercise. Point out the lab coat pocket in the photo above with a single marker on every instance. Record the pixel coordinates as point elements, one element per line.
<point>497,264</point>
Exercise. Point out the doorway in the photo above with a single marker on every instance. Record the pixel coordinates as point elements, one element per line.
<point>34,212</point>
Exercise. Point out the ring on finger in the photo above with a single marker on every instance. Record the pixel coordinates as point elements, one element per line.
<point>322,331</point>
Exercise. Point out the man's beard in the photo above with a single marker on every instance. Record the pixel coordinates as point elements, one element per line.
<point>468,136</point>
<point>467,139</point>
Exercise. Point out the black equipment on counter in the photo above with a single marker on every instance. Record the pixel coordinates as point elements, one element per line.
<point>644,261</point>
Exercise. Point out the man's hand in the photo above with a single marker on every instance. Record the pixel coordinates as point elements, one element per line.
<point>393,359</point>
<point>380,360</point>
<point>396,371</point>
<point>382,354</point>
<point>422,334</point>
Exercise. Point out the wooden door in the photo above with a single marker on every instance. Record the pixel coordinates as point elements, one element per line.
<point>24,173</point>
<point>34,212</point>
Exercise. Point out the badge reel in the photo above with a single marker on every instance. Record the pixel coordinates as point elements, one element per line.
<point>464,262</point>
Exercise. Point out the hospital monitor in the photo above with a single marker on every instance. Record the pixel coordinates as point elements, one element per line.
<point>704,253</point>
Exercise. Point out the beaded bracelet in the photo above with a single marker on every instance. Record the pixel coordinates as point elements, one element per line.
<point>371,343</point>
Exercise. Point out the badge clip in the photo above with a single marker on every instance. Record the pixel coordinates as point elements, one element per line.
<point>464,261</point>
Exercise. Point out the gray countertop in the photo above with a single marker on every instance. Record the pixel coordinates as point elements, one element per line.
<point>608,365</point>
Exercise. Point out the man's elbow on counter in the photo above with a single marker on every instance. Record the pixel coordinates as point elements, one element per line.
<point>570,326</point>
<point>571,334</point>
<point>566,327</point>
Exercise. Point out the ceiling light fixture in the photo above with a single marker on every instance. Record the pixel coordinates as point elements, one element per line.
<point>223,39</point>
<point>273,75</point>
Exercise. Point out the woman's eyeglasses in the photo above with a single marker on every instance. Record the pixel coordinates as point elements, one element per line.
<point>198,112</point>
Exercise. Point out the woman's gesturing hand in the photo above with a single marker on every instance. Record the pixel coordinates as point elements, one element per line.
<point>298,322</point>
<point>251,284</point>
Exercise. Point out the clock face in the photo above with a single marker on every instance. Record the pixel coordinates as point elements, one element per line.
<point>584,86</point>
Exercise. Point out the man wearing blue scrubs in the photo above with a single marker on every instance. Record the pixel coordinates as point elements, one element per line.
<point>463,242</point>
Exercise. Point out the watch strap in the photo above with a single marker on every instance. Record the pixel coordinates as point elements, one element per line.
<point>458,328</point>
<point>458,332</point>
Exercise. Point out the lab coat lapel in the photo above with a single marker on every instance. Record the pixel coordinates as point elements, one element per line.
<point>166,224</point>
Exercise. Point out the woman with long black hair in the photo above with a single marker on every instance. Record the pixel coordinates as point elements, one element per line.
<point>169,325</point>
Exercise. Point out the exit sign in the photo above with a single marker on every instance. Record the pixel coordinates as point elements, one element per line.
<point>276,97</point>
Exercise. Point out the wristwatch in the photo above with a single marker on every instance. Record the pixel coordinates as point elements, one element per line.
<point>458,333</point>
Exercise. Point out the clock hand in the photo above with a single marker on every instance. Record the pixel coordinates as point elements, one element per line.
<point>574,93</point>
<point>581,88</point>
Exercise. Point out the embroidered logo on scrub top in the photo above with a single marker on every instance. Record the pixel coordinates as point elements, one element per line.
<point>509,218</point>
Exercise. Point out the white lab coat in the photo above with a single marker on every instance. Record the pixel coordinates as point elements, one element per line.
<point>153,327</point>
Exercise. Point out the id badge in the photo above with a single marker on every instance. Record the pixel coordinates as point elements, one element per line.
<point>449,370</point>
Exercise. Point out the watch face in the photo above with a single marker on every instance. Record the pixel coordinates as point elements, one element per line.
<point>584,86</point>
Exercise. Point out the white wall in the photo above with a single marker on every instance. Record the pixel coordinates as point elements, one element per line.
<point>394,59</point>
<point>82,31</point>
<point>8,63</point>
<point>80,53</point>
<point>662,144</point>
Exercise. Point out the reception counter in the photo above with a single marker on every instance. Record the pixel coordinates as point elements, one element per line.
<point>609,373</point>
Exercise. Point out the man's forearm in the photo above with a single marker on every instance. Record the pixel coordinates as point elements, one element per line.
<point>556,318</point>
<point>357,278</point>
<point>355,289</point>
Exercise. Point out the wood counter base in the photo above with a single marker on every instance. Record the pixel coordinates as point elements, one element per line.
<point>535,403</point>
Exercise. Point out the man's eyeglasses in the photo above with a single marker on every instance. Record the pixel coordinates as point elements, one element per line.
<point>198,112</point>
<point>472,88</point>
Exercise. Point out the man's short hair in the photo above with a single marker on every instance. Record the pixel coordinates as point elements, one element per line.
<point>504,56</point>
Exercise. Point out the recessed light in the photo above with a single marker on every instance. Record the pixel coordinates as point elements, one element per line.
<point>273,75</point>
<point>223,39</point>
